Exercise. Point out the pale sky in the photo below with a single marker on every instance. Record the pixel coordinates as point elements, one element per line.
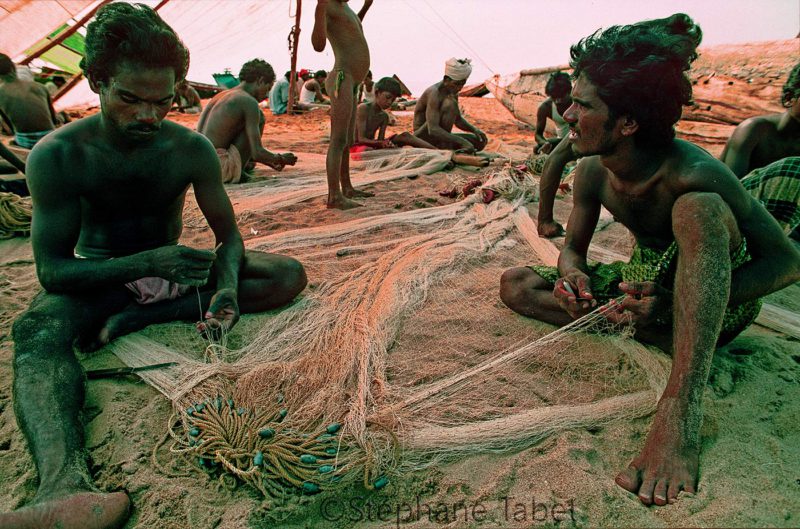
<point>413,38</point>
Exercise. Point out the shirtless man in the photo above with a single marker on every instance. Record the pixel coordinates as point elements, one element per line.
<point>764,151</point>
<point>558,100</point>
<point>437,112</point>
<point>372,118</point>
<point>761,140</point>
<point>187,99</point>
<point>25,105</point>
<point>690,217</point>
<point>111,188</point>
<point>335,21</point>
<point>234,122</point>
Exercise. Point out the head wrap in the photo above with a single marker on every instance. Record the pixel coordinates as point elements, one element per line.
<point>457,69</point>
<point>303,72</point>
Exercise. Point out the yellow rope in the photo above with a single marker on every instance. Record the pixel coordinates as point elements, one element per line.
<point>15,215</point>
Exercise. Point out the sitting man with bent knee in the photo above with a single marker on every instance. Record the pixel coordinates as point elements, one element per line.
<point>706,250</point>
<point>109,192</point>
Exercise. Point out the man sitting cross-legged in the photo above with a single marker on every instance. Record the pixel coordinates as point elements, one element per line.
<point>706,250</point>
<point>234,122</point>
<point>108,193</point>
<point>372,118</point>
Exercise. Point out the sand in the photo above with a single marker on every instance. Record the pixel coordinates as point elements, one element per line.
<point>750,460</point>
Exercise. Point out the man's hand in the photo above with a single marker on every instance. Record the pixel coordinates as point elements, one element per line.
<point>574,295</point>
<point>387,144</point>
<point>550,229</point>
<point>481,135</point>
<point>643,303</point>
<point>180,264</point>
<point>222,313</point>
<point>543,148</point>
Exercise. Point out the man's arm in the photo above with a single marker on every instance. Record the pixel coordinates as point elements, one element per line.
<point>775,261</point>
<point>465,125</point>
<point>433,120</point>
<point>11,158</point>
<point>548,186</point>
<point>252,119</point>
<point>57,223</point>
<point>364,9</point>
<point>542,114</point>
<point>319,34</point>
<point>741,144</point>
<point>362,124</point>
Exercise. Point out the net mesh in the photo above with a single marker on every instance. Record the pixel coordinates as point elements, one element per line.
<point>399,353</point>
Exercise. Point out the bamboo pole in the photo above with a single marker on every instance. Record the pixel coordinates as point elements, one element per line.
<point>294,38</point>
<point>63,36</point>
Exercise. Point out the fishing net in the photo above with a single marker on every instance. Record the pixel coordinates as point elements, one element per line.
<point>399,354</point>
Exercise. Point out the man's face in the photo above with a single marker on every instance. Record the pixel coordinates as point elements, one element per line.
<point>263,88</point>
<point>452,86</point>
<point>136,99</point>
<point>384,99</point>
<point>591,129</point>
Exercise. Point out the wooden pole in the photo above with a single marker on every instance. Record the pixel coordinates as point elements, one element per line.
<point>294,38</point>
<point>63,36</point>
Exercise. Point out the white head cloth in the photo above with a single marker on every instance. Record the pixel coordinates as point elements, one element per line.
<point>457,69</point>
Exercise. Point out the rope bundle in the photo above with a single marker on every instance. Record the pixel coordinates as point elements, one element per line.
<point>15,215</point>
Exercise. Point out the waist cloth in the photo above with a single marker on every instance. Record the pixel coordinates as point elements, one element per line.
<point>28,139</point>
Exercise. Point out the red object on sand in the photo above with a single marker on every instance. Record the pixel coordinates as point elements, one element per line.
<point>488,195</point>
<point>469,188</point>
<point>449,193</point>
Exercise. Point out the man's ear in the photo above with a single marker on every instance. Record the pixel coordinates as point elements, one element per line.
<point>95,85</point>
<point>629,126</point>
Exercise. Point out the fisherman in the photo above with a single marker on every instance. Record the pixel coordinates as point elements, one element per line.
<point>25,105</point>
<point>764,151</point>
<point>234,122</point>
<point>372,118</point>
<point>187,99</point>
<point>557,89</point>
<point>437,112</point>
<point>311,93</point>
<point>335,21</point>
<point>690,217</point>
<point>279,95</point>
<point>109,191</point>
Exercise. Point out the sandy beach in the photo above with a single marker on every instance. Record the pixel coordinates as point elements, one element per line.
<point>750,459</point>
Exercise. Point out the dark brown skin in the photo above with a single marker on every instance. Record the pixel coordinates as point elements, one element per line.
<point>113,185</point>
<point>761,140</point>
<point>234,117</point>
<point>543,113</point>
<point>437,112</point>
<point>336,22</point>
<point>676,192</point>
<point>372,119</point>
<point>190,96</point>
<point>546,226</point>
<point>26,105</point>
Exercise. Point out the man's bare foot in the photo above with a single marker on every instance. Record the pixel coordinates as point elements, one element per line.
<point>342,203</point>
<point>668,462</point>
<point>550,229</point>
<point>357,193</point>
<point>85,510</point>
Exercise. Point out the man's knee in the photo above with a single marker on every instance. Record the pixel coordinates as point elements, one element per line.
<point>293,275</point>
<point>515,283</point>
<point>40,331</point>
<point>700,216</point>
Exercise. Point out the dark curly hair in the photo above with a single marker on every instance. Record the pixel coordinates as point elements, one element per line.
<point>639,70</point>
<point>256,69</point>
<point>791,90</point>
<point>7,67</point>
<point>388,84</point>
<point>558,84</point>
<point>132,33</point>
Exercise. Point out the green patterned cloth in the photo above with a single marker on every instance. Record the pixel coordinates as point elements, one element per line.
<point>647,264</point>
<point>777,186</point>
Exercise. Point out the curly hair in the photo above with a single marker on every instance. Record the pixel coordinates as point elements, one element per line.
<point>639,70</point>
<point>558,84</point>
<point>791,90</point>
<point>7,67</point>
<point>132,33</point>
<point>256,69</point>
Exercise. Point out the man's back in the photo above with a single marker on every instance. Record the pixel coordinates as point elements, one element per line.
<point>761,140</point>
<point>223,119</point>
<point>26,104</point>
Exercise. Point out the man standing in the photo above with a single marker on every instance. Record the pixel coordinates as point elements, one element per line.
<point>700,237</point>
<point>25,105</point>
<point>234,122</point>
<point>437,112</point>
<point>109,191</point>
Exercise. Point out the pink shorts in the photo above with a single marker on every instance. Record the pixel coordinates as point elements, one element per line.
<point>154,289</point>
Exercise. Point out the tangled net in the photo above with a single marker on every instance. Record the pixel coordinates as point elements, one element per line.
<point>402,340</point>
